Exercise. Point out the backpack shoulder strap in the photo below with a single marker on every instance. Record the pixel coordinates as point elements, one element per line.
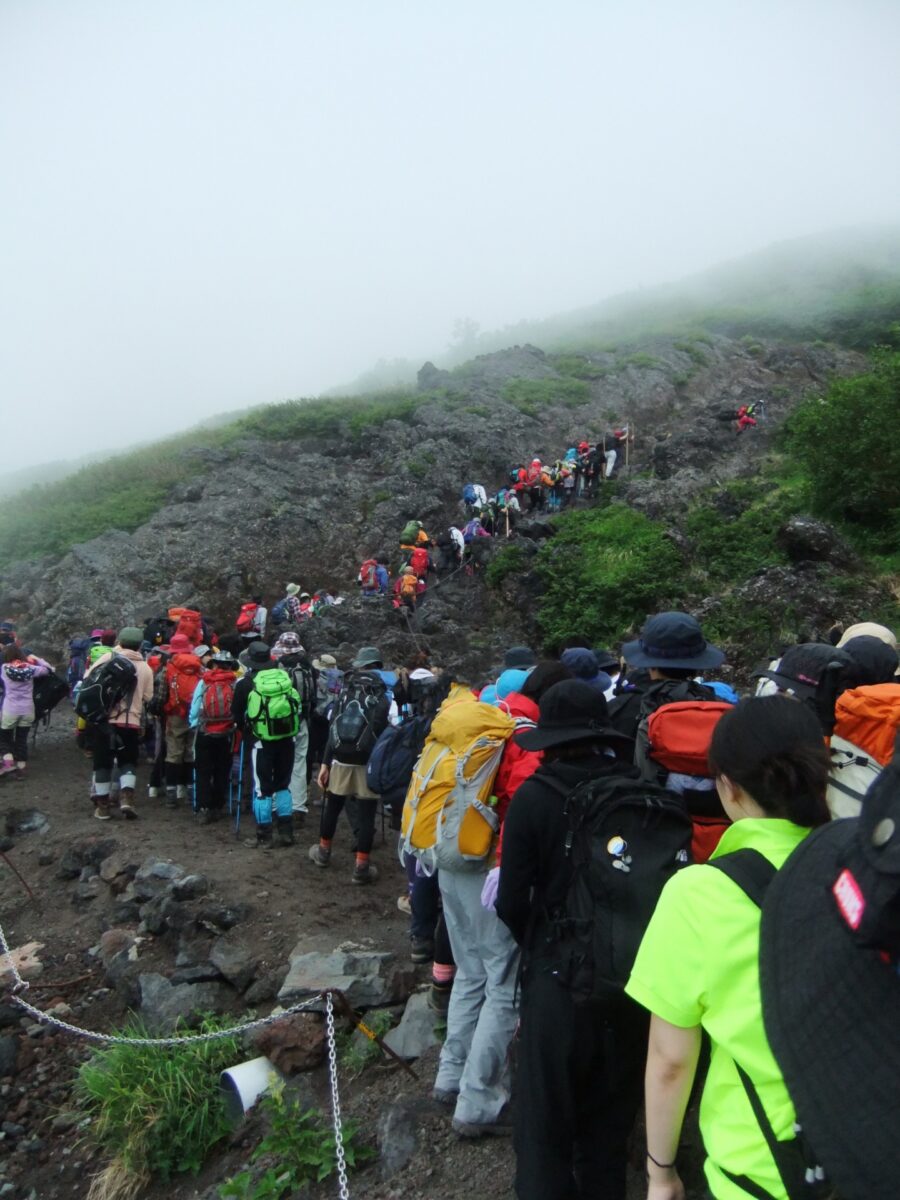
<point>750,870</point>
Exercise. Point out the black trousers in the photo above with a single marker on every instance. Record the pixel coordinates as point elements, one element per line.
<point>212,767</point>
<point>118,746</point>
<point>274,764</point>
<point>578,1088</point>
<point>360,814</point>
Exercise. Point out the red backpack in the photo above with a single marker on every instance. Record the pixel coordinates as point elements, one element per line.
<point>367,573</point>
<point>244,623</point>
<point>190,624</point>
<point>418,561</point>
<point>215,707</point>
<point>182,676</point>
<point>679,737</point>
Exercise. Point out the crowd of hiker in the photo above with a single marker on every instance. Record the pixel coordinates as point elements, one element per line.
<point>543,487</point>
<point>627,878</point>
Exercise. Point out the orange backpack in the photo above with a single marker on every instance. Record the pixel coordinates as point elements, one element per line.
<point>869,717</point>
<point>409,586</point>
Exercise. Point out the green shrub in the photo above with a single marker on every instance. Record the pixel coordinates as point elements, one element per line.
<point>736,536</point>
<point>157,1112</point>
<point>692,349</point>
<point>530,395</point>
<point>576,366</point>
<point>510,560</point>
<point>301,1146</point>
<point>356,1051</point>
<point>846,441</point>
<point>604,570</point>
<point>642,361</point>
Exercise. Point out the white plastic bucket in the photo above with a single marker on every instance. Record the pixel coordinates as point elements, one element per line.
<point>243,1085</point>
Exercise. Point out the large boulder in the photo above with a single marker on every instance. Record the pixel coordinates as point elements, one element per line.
<point>163,1003</point>
<point>368,978</point>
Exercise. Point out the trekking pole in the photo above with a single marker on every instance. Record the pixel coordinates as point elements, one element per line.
<point>240,789</point>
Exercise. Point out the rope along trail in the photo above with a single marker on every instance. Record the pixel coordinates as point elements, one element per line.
<point>21,985</point>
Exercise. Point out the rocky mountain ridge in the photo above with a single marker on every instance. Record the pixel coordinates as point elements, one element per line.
<point>260,512</point>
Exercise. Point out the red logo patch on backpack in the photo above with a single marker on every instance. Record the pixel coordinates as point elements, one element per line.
<point>368,573</point>
<point>680,734</point>
<point>245,621</point>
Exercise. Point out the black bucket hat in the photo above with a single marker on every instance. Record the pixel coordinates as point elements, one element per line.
<point>259,654</point>
<point>829,957</point>
<point>570,711</point>
<point>672,639</point>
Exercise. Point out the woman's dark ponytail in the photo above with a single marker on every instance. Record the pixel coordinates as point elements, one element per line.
<point>772,747</point>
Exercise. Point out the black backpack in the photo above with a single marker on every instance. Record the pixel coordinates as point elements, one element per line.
<point>158,630</point>
<point>360,716</point>
<point>798,1165</point>
<point>303,677</point>
<point>48,690</point>
<point>626,839</point>
<point>108,686</point>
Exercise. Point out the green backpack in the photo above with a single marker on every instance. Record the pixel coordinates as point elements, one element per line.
<point>273,706</point>
<point>410,533</point>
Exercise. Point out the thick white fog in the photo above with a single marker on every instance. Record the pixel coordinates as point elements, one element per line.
<point>212,204</point>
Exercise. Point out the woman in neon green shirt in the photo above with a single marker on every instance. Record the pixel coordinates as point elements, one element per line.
<point>698,962</point>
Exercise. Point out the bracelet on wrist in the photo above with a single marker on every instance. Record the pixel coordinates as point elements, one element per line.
<point>662,1166</point>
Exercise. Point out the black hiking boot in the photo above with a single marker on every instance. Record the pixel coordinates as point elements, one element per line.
<point>285,831</point>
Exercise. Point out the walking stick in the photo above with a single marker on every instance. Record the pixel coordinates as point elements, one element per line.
<point>240,795</point>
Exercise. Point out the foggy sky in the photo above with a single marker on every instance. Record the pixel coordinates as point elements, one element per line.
<point>206,205</point>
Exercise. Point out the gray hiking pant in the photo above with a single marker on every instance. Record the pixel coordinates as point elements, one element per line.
<point>298,775</point>
<point>482,1017</point>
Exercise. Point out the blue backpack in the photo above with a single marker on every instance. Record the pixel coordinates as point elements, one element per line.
<point>469,493</point>
<point>278,614</point>
<point>78,652</point>
<point>393,758</point>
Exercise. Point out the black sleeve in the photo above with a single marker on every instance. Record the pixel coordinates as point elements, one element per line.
<point>519,860</point>
<point>239,700</point>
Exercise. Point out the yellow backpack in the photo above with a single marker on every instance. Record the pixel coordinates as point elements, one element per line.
<point>448,821</point>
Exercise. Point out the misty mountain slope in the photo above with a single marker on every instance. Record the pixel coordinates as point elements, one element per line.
<point>259,511</point>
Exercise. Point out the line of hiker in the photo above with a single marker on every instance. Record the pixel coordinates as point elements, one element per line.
<point>546,487</point>
<point>565,827</point>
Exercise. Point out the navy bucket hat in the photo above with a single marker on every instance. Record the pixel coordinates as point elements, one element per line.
<point>672,639</point>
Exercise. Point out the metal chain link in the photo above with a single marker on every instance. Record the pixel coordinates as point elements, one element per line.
<point>343,1186</point>
<point>22,985</point>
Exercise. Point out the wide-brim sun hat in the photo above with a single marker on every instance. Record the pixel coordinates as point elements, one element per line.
<point>325,662</point>
<point>258,653</point>
<point>367,656</point>
<point>292,589</point>
<point>570,711</point>
<point>672,640</point>
<point>831,993</point>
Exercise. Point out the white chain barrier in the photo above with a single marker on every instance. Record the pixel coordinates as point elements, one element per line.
<point>21,985</point>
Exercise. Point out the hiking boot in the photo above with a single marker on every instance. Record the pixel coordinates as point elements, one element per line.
<point>421,950</point>
<point>319,855</point>
<point>501,1126</point>
<point>181,792</point>
<point>285,831</point>
<point>102,812</point>
<point>204,816</point>
<point>405,904</point>
<point>7,766</point>
<point>439,998</point>
<point>171,798</point>
<point>264,837</point>
<point>152,793</point>
<point>446,1097</point>
<point>126,804</point>
<point>364,872</point>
